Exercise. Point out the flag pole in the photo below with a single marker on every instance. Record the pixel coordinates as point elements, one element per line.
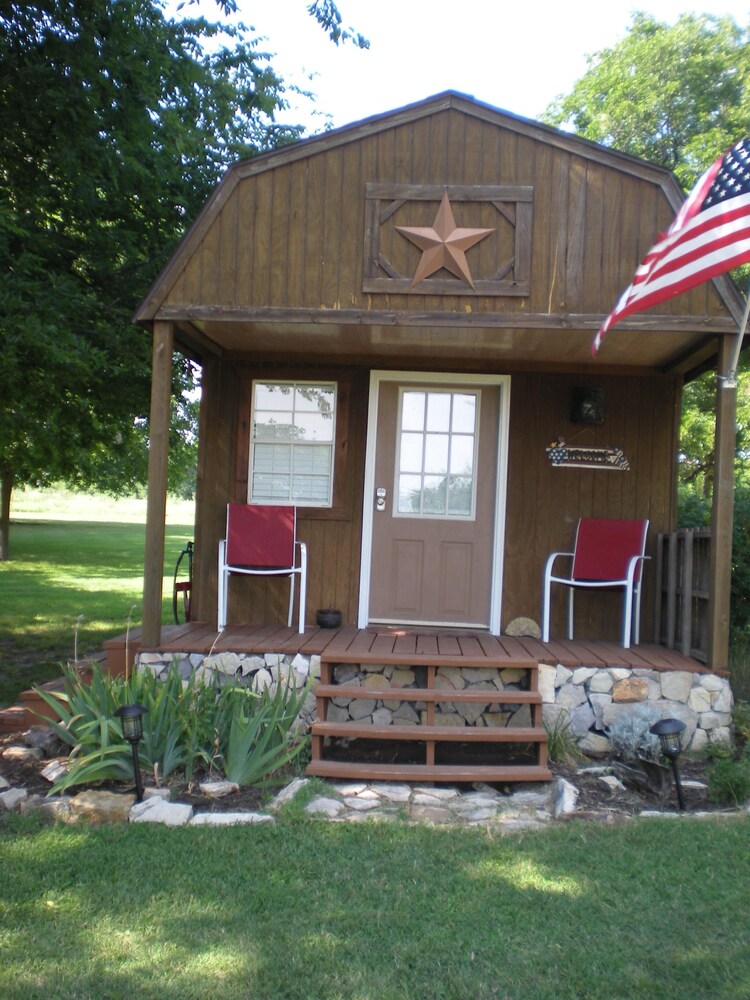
<point>729,381</point>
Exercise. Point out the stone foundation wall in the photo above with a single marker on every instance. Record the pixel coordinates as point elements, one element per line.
<point>592,699</point>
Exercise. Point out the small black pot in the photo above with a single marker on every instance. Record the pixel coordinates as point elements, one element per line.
<point>328,618</point>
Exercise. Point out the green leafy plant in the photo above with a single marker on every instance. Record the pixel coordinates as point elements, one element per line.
<point>741,722</point>
<point>257,736</point>
<point>728,774</point>
<point>177,735</point>
<point>630,737</point>
<point>561,742</point>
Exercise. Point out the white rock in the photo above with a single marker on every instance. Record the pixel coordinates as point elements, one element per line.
<point>699,740</point>
<point>261,680</point>
<point>288,793</point>
<point>219,789</point>
<point>54,770</point>
<point>230,819</point>
<point>714,720</point>
<point>564,797</point>
<point>23,755</point>
<point>582,719</point>
<point>612,783</point>
<point>601,682</point>
<point>563,675</point>
<point>571,696</point>
<point>676,685</point>
<point>724,700</point>
<point>382,717</point>
<point>360,708</point>
<point>13,798</point>
<point>547,677</point>
<point>619,673</point>
<point>325,807</point>
<point>157,793</point>
<point>301,664</point>
<point>582,674</point>
<point>700,700</point>
<point>594,744</point>
<point>273,660</point>
<point>361,804</point>
<point>393,793</point>
<point>712,683</point>
<point>159,811</point>
<point>4,783</point>
<point>443,794</point>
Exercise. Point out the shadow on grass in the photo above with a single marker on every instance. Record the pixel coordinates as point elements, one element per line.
<point>375,912</point>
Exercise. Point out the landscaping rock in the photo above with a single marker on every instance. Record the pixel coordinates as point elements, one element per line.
<point>676,685</point>
<point>325,807</point>
<point>287,794</point>
<point>630,689</point>
<point>218,789</point>
<point>54,770</point>
<point>4,783</point>
<point>523,627</point>
<point>23,755</point>
<point>97,806</point>
<point>12,798</point>
<point>230,819</point>
<point>158,811</point>
<point>43,738</point>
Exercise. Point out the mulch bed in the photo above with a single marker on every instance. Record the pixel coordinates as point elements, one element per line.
<point>595,798</point>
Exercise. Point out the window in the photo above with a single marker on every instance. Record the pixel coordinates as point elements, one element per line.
<point>291,446</point>
<point>437,453</point>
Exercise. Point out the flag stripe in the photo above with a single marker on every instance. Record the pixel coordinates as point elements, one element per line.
<point>710,235</point>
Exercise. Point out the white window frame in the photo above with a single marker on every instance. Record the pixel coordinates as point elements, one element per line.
<point>293,384</point>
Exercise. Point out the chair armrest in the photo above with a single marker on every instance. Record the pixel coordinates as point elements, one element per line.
<point>633,567</point>
<point>550,561</point>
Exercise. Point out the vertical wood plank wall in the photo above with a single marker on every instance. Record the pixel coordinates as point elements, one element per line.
<point>543,502</point>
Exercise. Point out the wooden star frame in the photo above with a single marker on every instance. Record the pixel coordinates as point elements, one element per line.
<point>392,208</point>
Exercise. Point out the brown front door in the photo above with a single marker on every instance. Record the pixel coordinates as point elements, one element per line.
<point>434,503</point>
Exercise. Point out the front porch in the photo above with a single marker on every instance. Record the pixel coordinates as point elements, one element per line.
<point>439,705</point>
<point>384,644</point>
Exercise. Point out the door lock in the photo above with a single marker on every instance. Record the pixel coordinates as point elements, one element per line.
<point>380,495</point>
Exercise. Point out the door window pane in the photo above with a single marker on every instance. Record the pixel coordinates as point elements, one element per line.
<point>437,448</point>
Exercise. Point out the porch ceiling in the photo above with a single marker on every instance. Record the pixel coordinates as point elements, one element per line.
<point>549,342</point>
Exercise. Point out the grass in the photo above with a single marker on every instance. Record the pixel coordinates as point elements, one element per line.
<point>75,578</point>
<point>323,911</point>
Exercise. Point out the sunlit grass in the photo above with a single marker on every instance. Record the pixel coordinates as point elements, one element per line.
<point>314,910</point>
<point>75,578</point>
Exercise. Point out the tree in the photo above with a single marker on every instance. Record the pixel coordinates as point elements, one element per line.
<point>116,124</point>
<point>678,95</point>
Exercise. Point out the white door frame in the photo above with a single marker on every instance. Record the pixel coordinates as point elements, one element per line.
<point>437,378</point>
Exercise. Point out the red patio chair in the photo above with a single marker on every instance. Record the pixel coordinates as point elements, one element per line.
<point>607,554</point>
<point>262,541</point>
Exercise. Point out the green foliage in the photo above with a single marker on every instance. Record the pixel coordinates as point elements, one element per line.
<point>629,733</point>
<point>257,736</point>
<point>188,724</point>
<point>741,723</point>
<point>728,774</point>
<point>678,95</point>
<point>117,124</point>
<point>561,742</point>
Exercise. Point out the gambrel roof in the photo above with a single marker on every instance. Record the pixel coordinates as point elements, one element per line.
<point>315,249</point>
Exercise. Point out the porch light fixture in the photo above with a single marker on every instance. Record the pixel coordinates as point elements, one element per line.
<point>670,732</point>
<point>132,730</point>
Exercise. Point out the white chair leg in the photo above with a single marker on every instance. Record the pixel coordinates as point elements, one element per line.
<point>291,600</point>
<point>637,619</point>
<point>571,611</point>
<point>545,611</point>
<point>302,585</point>
<point>627,625</point>
<point>221,611</point>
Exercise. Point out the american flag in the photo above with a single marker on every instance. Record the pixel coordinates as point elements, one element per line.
<point>710,235</point>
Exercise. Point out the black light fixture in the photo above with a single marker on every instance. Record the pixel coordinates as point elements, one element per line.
<point>670,733</point>
<point>132,731</point>
<point>587,405</point>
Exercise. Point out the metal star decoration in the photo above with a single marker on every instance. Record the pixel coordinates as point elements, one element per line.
<point>443,244</point>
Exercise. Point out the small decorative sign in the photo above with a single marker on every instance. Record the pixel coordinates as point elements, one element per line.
<point>562,455</point>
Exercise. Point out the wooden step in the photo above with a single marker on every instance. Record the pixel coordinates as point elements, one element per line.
<point>492,696</point>
<point>431,660</point>
<point>461,773</point>
<point>459,734</point>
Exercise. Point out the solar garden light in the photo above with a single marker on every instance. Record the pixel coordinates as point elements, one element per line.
<point>132,731</point>
<point>670,732</point>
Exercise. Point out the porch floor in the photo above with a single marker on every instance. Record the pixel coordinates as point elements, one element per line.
<point>378,644</point>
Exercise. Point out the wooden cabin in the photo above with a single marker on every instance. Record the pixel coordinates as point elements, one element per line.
<point>433,276</point>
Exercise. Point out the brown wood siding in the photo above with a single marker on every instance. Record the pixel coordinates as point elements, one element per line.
<point>544,503</point>
<point>293,236</point>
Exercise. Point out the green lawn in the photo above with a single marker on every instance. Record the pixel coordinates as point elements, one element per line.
<point>324,911</point>
<point>76,567</point>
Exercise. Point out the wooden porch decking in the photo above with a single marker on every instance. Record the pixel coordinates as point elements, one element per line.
<point>383,643</point>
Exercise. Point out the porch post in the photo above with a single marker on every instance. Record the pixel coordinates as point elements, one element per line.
<point>158,453</point>
<point>722,514</point>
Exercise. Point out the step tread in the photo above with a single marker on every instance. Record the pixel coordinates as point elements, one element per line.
<point>429,772</point>
<point>462,734</point>
<point>431,660</point>
<point>450,695</point>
